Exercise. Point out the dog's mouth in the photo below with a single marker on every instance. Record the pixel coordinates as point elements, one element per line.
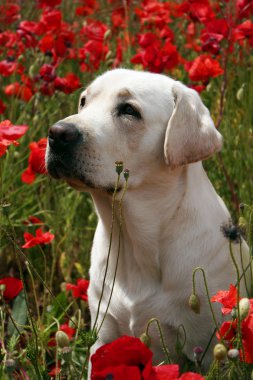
<point>60,171</point>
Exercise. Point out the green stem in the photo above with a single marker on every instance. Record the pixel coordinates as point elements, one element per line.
<point>207,293</point>
<point>165,349</point>
<point>117,260</point>
<point>239,332</point>
<point>108,254</point>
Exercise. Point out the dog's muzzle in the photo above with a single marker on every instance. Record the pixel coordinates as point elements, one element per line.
<point>62,141</point>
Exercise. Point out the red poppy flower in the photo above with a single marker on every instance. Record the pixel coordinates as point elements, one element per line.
<point>67,84</point>
<point>228,332</point>
<point>9,133</point>
<point>55,371</point>
<point>33,220</point>
<point>89,7</point>
<point>22,91</point>
<point>126,357</point>
<point>13,287</point>
<point>9,13</point>
<point>36,161</point>
<point>8,67</point>
<point>197,10</point>
<point>48,3</point>
<point>228,298</point>
<point>215,31</point>
<point>203,68</point>
<point>79,290</point>
<point>39,238</point>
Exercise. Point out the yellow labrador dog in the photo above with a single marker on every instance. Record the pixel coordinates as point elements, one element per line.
<point>161,130</point>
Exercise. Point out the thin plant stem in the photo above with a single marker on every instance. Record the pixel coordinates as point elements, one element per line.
<point>117,260</point>
<point>108,254</point>
<point>239,332</point>
<point>165,349</point>
<point>34,292</point>
<point>207,293</point>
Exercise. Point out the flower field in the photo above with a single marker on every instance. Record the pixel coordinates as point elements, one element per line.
<point>49,51</point>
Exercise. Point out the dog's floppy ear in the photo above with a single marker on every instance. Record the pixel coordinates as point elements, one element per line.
<point>191,135</point>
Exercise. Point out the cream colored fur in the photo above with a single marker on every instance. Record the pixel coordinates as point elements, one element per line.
<point>172,214</point>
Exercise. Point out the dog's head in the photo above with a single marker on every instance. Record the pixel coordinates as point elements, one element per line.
<point>146,120</point>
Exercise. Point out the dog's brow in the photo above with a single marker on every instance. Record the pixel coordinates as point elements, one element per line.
<point>125,93</point>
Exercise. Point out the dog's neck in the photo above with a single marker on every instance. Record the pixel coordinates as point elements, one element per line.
<point>145,228</point>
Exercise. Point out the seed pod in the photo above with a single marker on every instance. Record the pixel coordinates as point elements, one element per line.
<point>119,167</point>
<point>244,306</point>
<point>194,303</point>
<point>62,339</point>
<point>233,354</point>
<point>220,352</point>
<point>145,338</point>
<point>126,174</point>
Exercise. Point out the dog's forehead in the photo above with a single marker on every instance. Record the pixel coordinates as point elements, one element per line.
<point>127,83</point>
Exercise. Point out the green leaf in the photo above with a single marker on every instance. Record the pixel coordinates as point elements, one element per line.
<point>19,314</point>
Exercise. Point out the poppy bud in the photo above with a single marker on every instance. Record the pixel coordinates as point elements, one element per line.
<point>119,167</point>
<point>242,223</point>
<point>66,354</point>
<point>2,288</point>
<point>233,354</point>
<point>145,338</point>
<point>126,174</point>
<point>197,353</point>
<point>107,34</point>
<point>62,339</point>
<point>239,94</point>
<point>194,303</point>
<point>220,352</point>
<point>244,306</point>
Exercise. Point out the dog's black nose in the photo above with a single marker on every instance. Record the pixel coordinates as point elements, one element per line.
<point>62,134</point>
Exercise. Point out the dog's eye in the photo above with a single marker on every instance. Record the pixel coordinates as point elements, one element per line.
<point>82,102</point>
<point>128,109</point>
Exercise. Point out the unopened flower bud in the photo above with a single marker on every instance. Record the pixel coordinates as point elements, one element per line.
<point>242,223</point>
<point>220,352</point>
<point>66,354</point>
<point>62,339</point>
<point>2,288</point>
<point>241,205</point>
<point>194,303</point>
<point>145,338</point>
<point>233,354</point>
<point>126,174</point>
<point>107,34</point>
<point>239,94</point>
<point>234,313</point>
<point>119,167</point>
<point>197,353</point>
<point>244,306</point>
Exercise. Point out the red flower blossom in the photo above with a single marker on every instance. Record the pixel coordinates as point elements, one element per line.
<point>79,290</point>
<point>215,31</point>
<point>9,13</point>
<point>228,332</point>
<point>13,287</point>
<point>36,161</point>
<point>228,298</point>
<point>203,68</point>
<point>39,238</point>
<point>48,3</point>
<point>124,358</point>
<point>197,10</point>
<point>128,358</point>
<point>33,220</point>
<point>154,55</point>
<point>9,133</point>
<point>8,67</point>
<point>67,84</point>
<point>22,91</point>
<point>89,7</point>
